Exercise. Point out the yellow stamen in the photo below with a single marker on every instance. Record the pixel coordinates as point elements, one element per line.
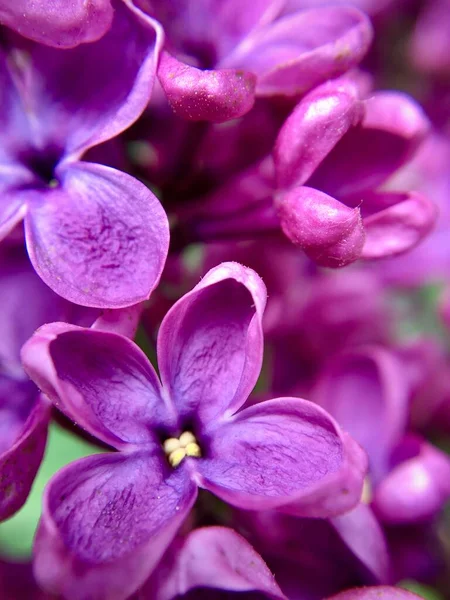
<point>178,448</point>
<point>171,445</point>
<point>193,449</point>
<point>177,456</point>
<point>366,496</point>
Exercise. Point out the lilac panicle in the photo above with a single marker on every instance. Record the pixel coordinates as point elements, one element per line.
<point>229,52</point>
<point>95,235</point>
<point>210,560</point>
<point>58,23</point>
<point>285,454</point>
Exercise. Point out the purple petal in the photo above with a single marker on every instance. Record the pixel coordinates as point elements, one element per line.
<point>100,380</point>
<point>61,24</point>
<point>19,464</point>
<point>100,239</point>
<point>300,51</point>
<point>376,593</point>
<point>417,488</point>
<point>213,558</point>
<point>117,74</point>
<point>210,343</point>
<point>123,321</point>
<point>315,126</point>
<point>106,521</point>
<point>363,535</point>
<point>283,452</point>
<point>373,379</point>
<point>331,233</point>
<point>391,130</point>
<point>408,219</point>
<point>196,95</point>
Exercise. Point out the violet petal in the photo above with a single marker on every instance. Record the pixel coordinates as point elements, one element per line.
<point>398,228</point>
<point>206,95</point>
<point>376,593</point>
<point>19,464</point>
<point>106,521</point>
<point>210,343</point>
<point>100,239</point>
<point>100,380</point>
<point>284,453</point>
<point>61,24</point>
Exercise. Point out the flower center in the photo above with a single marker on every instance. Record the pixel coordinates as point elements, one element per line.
<point>178,448</point>
<point>366,496</point>
<point>42,164</point>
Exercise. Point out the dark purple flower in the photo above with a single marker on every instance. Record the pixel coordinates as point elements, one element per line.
<point>231,51</point>
<point>108,519</point>
<point>58,23</point>
<point>95,235</point>
<point>209,563</point>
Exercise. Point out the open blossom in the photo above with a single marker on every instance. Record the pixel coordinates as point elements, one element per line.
<point>107,519</point>
<point>95,235</point>
<point>220,55</point>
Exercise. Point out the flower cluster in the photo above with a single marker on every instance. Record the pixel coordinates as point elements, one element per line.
<point>224,271</point>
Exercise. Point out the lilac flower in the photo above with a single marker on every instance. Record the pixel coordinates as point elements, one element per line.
<point>58,23</point>
<point>376,593</point>
<point>208,563</point>
<point>231,51</point>
<point>107,519</point>
<point>430,40</point>
<point>96,236</point>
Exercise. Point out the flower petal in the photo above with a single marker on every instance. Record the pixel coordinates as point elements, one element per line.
<point>106,521</point>
<point>100,380</point>
<point>392,128</point>
<point>374,379</point>
<point>300,51</point>
<point>331,233</point>
<point>313,129</point>
<point>100,239</point>
<point>19,464</point>
<point>123,321</point>
<point>407,220</point>
<point>376,593</point>
<point>417,488</point>
<point>61,24</point>
<point>212,558</point>
<point>206,95</point>
<point>117,74</point>
<point>210,343</point>
<point>286,453</point>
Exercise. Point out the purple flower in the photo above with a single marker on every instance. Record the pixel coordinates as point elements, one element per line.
<point>229,52</point>
<point>208,563</point>
<point>107,519</point>
<point>58,23</point>
<point>96,236</point>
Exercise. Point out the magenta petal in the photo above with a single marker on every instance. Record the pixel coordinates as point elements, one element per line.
<point>376,593</point>
<point>117,74</point>
<point>407,220</point>
<point>363,535</point>
<point>417,488</point>
<point>210,95</point>
<point>372,378</point>
<point>100,240</point>
<point>315,126</point>
<point>284,453</point>
<point>106,521</point>
<point>19,464</point>
<point>102,381</point>
<point>331,233</point>
<point>392,128</point>
<point>210,343</point>
<point>61,24</point>
<point>123,321</point>
<point>300,51</point>
<point>213,558</point>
